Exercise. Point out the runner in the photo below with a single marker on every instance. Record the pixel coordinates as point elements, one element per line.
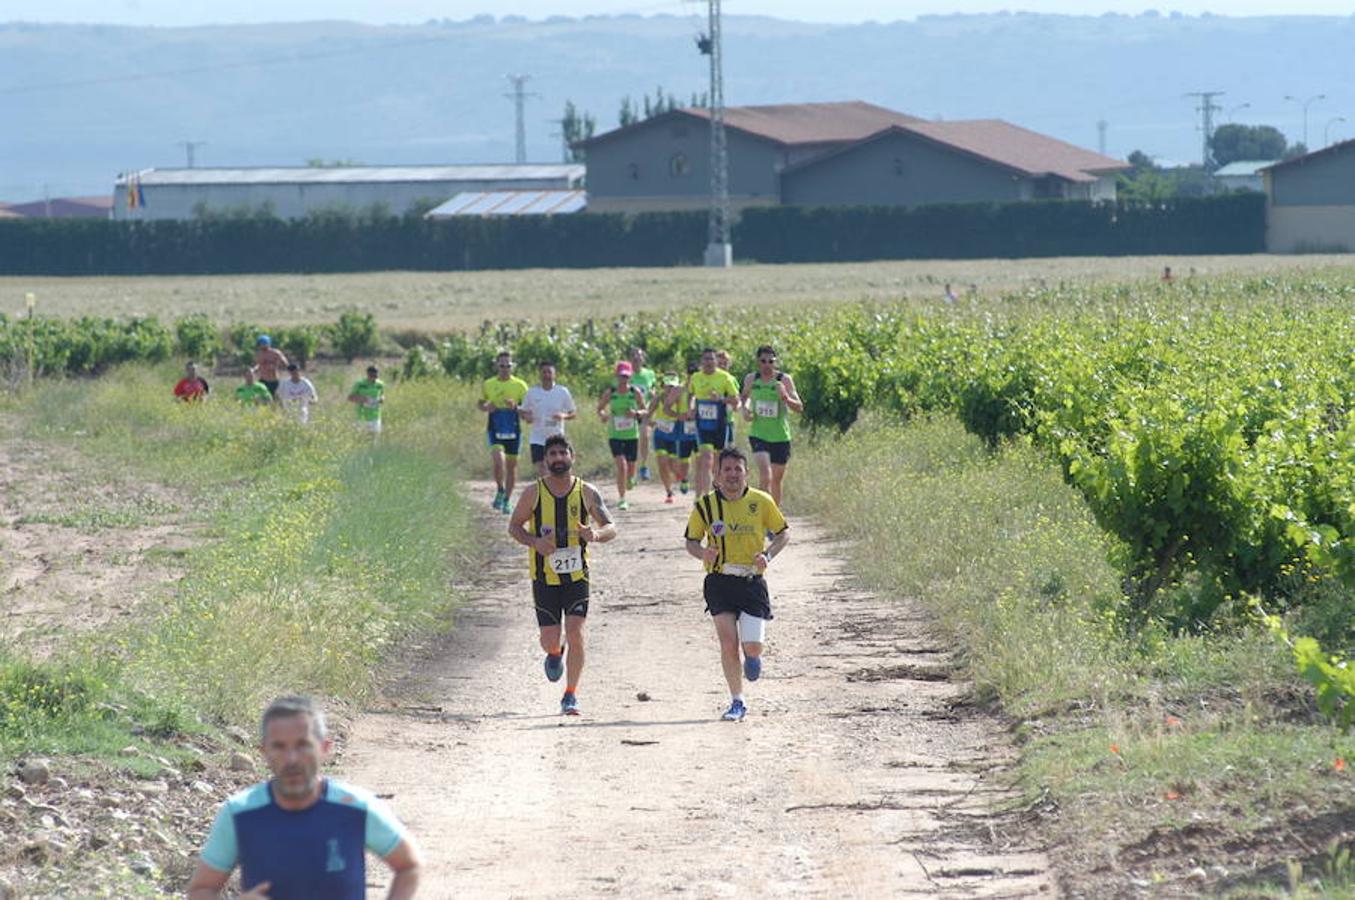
<point>770,396</point>
<point>501,397</point>
<point>369,394</point>
<point>667,430</point>
<point>299,834</point>
<point>724,361</point>
<point>251,393</point>
<point>558,556</point>
<point>297,394</point>
<point>734,520</point>
<point>643,377</point>
<point>715,393</point>
<point>547,407</point>
<point>192,387</point>
<point>268,360</point>
<point>622,407</point>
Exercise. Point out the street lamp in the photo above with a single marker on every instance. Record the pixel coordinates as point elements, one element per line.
<point>1305,103</point>
<point>1326,131</point>
<point>1232,109</point>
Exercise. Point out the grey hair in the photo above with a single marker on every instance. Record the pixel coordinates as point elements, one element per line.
<point>294,705</point>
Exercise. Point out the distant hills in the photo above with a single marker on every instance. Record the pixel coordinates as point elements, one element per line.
<point>80,103</point>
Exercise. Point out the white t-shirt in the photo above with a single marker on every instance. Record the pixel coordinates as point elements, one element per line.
<point>297,396</point>
<point>543,405</point>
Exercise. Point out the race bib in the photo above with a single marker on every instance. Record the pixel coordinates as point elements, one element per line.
<point>623,423</point>
<point>708,410</point>
<point>504,435</point>
<point>663,425</point>
<point>766,409</point>
<point>567,560</point>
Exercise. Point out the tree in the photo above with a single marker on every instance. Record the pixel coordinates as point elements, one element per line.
<point>575,127</point>
<point>1230,143</point>
<point>627,116</point>
<point>648,107</point>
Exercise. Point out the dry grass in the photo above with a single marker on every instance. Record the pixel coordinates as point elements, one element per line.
<point>449,300</point>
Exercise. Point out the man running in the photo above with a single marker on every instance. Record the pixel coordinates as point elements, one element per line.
<point>769,396</point>
<point>269,360</point>
<point>725,362</point>
<point>565,514</point>
<point>500,397</point>
<point>369,394</point>
<point>250,392</point>
<point>547,406</point>
<point>733,520</point>
<point>622,407</point>
<point>192,387</point>
<point>299,834</point>
<point>715,393</point>
<point>297,394</point>
<point>643,377</point>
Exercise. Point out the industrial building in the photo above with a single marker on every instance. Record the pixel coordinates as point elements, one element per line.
<point>836,154</point>
<point>294,192</point>
<point>1311,202</point>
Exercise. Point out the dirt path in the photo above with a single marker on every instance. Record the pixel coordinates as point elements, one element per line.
<point>853,775</point>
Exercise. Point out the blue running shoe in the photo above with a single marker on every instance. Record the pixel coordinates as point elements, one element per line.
<point>569,705</point>
<point>752,667</point>
<point>644,473</point>
<point>500,501</point>
<point>555,666</point>
<point>736,712</point>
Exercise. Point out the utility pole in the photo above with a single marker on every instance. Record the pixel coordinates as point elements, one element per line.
<point>1206,109</point>
<point>719,250</point>
<point>519,98</point>
<point>191,151</point>
<point>1101,127</point>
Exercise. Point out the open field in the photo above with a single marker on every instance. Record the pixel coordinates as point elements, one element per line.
<point>443,301</point>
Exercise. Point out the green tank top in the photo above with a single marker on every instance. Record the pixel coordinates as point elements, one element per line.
<point>771,418</point>
<point>622,423</point>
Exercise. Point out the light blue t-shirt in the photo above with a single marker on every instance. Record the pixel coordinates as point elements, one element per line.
<point>317,852</point>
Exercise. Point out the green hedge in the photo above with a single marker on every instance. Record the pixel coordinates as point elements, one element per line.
<point>338,243</point>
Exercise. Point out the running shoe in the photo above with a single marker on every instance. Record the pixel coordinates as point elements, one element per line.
<point>685,486</point>
<point>644,473</point>
<point>623,503</point>
<point>499,499</point>
<point>736,712</point>
<point>555,666</point>
<point>752,667</point>
<point>630,483</point>
<point>569,705</point>
<point>669,498</point>
<point>506,507</point>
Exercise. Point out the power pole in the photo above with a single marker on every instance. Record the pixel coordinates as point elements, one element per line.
<point>519,98</point>
<point>1101,127</point>
<point>191,151</point>
<point>719,250</point>
<point>1206,109</point>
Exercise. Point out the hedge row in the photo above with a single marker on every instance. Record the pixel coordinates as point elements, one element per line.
<point>340,243</point>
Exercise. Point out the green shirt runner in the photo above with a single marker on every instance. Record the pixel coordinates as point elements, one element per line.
<point>252,394</point>
<point>622,424</point>
<point>771,417</point>
<point>370,391</point>
<point>644,379</point>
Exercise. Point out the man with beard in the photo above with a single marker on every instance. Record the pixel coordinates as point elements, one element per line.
<point>556,519</point>
<point>299,835</point>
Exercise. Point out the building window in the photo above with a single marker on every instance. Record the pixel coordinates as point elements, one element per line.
<point>898,167</point>
<point>679,166</point>
<point>633,170</point>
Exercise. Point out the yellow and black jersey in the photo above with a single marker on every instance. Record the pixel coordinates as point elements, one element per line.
<point>560,518</point>
<point>738,527</point>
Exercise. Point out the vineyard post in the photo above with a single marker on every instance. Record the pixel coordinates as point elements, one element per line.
<point>31,302</point>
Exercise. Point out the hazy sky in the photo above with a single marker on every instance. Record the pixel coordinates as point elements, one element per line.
<point>195,12</point>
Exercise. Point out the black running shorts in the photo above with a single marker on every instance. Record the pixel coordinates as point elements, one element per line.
<point>737,594</point>
<point>555,601</point>
<point>779,451</point>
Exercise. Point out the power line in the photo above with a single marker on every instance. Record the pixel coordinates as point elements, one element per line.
<point>1206,109</point>
<point>719,251</point>
<point>519,98</point>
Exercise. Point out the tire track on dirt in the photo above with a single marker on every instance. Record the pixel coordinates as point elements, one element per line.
<point>859,772</point>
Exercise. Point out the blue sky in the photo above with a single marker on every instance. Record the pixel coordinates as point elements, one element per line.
<point>197,12</point>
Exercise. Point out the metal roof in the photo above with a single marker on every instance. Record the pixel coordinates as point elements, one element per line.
<point>568,173</point>
<point>788,123</point>
<point>510,203</point>
<point>1244,168</point>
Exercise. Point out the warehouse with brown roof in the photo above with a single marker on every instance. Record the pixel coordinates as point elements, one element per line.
<point>837,154</point>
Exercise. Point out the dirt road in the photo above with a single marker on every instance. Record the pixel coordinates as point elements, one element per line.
<point>854,774</point>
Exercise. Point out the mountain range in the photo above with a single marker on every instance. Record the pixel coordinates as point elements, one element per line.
<point>80,103</point>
